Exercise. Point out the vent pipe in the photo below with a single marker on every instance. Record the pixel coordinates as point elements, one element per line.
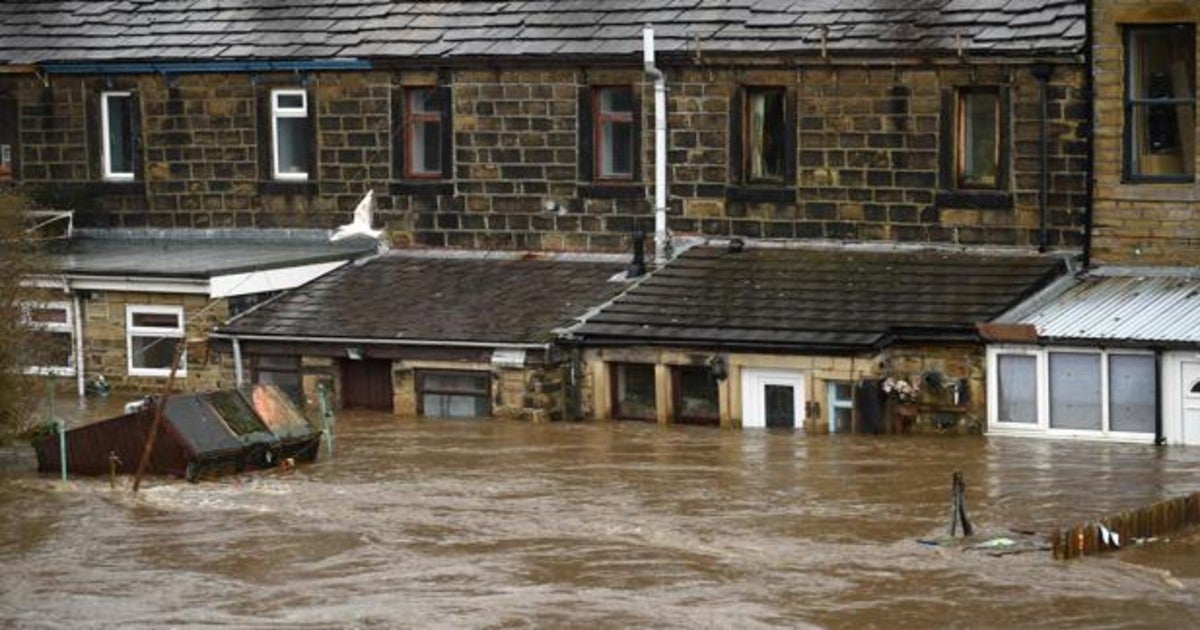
<point>637,266</point>
<point>662,244</point>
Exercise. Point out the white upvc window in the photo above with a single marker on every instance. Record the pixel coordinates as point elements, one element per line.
<point>53,339</point>
<point>1072,392</point>
<point>290,136</point>
<point>117,145</point>
<point>151,333</point>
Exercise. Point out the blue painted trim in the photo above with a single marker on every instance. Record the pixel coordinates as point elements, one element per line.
<point>189,67</point>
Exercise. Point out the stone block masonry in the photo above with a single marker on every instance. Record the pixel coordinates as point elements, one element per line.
<point>867,152</point>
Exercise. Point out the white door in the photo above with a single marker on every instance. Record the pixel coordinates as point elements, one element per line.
<point>772,398</point>
<point>1190,382</point>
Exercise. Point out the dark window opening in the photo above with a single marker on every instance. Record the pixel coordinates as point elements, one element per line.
<point>696,400</point>
<point>612,108</point>
<point>977,150</point>
<point>423,132</point>
<point>765,134</point>
<point>633,391</point>
<point>117,128</point>
<point>1160,103</point>
<point>282,372</point>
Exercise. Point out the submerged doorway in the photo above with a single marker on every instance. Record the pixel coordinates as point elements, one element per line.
<point>1190,381</point>
<point>772,398</point>
<point>367,384</point>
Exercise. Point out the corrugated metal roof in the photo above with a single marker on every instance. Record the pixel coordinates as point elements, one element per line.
<point>1142,308</point>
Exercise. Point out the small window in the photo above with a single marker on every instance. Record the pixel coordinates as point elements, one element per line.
<point>282,372</point>
<point>151,334</point>
<point>117,131</point>
<point>290,134</point>
<point>1160,102</point>
<point>51,349</point>
<point>8,137</point>
<point>840,396</point>
<point>977,150</point>
<point>765,136</point>
<point>454,394</point>
<point>1017,388</point>
<point>696,396</point>
<point>613,111</point>
<point>634,391</point>
<point>423,132</point>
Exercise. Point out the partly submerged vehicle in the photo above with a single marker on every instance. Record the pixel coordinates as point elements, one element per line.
<point>211,433</point>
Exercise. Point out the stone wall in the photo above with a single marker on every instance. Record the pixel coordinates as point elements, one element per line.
<point>1136,223</point>
<point>104,341</point>
<point>867,147</point>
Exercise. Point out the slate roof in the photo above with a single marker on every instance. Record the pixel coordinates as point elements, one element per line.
<point>139,30</point>
<point>1119,306</point>
<point>817,299</point>
<point>198,254</point>
<point>402,295</point>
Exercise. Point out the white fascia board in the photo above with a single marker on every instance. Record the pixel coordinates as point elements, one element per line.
<point>268,279</point>
<point>139,284</point>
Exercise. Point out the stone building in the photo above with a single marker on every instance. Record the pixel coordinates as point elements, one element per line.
<point>1113,353</point>
<point>530,126</point>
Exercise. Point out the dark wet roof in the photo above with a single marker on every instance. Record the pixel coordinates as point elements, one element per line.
<point>324,29</point>
<point>402,295</point>
<point>198,253</point>
<point>817,299</point>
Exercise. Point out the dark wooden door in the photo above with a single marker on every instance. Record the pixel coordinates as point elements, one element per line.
<point>367,384</point>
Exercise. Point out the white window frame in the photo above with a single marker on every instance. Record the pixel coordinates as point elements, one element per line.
<point>105,142</point>
<point>132,331</point>
<point>278,112</point>
<point>67,327</point>
<point>1042,428</point>
<point>833,403</point>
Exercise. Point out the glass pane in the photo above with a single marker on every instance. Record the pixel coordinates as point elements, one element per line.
<point>1162,66</point>
<point>456,382</point>
<point>51,349</point>
<point>235,411</point>
<point>1075,391</point>
<point>635,391</point>
<point>979,141</point>
<point>616,100</point>
<point>278,362</point>
<point>766,135</point>
<point>1017,386</point>
<point>293,144</point>
<point>425,146</point>
<point>284,419</point>
<point>287,382</point>
<point>454,406</point>
<point>841,420</point>
<point>48,315</point>
<point>424,101</point>
<point>289,101</point>
<point>842,392</point>
<point>153,352</point>
<point>120,145</point>
<point>616,152</point>
<point>780,403</point>
<point>697,394</point>
<point>156,320</point>
<point>1131,401</point>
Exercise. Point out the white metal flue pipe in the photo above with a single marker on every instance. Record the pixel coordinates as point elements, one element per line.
<point>661,239</point>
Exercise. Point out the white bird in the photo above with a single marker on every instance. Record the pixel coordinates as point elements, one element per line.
<point>361,225</point>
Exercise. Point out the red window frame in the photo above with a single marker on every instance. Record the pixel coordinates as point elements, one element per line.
<point>411,119</point>
<point>599,117</point>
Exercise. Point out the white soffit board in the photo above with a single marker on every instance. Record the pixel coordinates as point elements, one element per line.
<point>268,279</point>
<point>508,357</point>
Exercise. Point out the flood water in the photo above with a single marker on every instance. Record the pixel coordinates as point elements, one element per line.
<point>497,524</point>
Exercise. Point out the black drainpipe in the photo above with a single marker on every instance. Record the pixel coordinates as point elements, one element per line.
<point>1159,438</point>
<point>1089,92</point>
<point>1042,72</point>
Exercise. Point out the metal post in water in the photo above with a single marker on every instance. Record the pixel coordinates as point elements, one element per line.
<point>60,426</point>
<point>326,416</point>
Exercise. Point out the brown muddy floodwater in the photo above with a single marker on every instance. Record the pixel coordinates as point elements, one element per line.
<point>453,524</point>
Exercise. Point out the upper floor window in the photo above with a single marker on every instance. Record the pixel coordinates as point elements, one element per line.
<point>977,138</point>
<point>764,140</point>
<point>1160,103</point>
<point>8,137</point>
<point>612,111</point>
<point>290,134</point>
<point>117,135</point>
<point>423,132</point>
